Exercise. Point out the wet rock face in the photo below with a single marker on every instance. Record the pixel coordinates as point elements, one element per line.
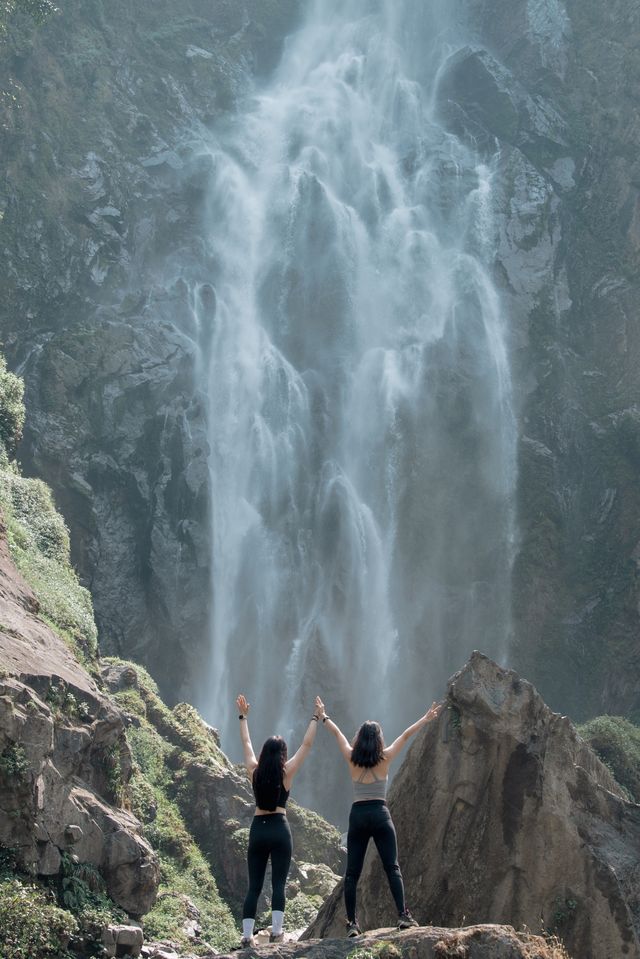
<point>106,305</point>
<point>553,84</point>
<point>105,301</point>
<point>64,758</point>
<point>504,814</point>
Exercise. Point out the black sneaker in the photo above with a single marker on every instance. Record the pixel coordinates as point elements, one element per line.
<point>406,920</point>
<point>276,937</point>
<point>353,930</point>
<point>247,942</point>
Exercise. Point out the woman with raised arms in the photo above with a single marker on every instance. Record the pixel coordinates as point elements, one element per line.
<point>369,760</point>
<point>270,836</point>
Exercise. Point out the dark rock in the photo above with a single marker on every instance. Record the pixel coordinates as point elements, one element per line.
<point>504,813</point>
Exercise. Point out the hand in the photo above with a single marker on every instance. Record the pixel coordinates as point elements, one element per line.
<point>243,705</point>
<point>319,710</point>
<point>433,711</point>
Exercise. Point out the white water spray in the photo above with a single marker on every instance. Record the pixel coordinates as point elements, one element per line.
<point>362,435</point>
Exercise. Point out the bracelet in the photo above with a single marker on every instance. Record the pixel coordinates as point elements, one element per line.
<point>324,719</point>
<point>242,717</point>
<point>314,718</point>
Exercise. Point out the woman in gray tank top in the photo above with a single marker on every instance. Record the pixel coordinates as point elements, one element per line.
<point>369,760</point>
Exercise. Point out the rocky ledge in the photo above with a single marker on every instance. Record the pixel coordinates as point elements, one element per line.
<point>427,942</point>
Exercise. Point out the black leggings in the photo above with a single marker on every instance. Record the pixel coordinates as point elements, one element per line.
<point>371,820</point>
<point>268,836</point>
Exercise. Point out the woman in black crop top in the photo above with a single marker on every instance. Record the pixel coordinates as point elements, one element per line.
<point>270,836</point>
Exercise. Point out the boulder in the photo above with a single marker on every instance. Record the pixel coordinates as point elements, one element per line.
<point>504,814</point>
<point>122,941</point>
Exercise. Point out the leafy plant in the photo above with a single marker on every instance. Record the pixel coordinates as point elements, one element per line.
<point>564,910</point>
<point>31,925</point>
<point>14,763</point>
<point>383,949</point>
<point>38,10</point>
<point>8,862</point>
<point>11,389</point>
<point>616,740</point>
<point>39,542</point>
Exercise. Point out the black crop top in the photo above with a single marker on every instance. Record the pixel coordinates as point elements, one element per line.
<point>283,796</point>
<point>281,801</point>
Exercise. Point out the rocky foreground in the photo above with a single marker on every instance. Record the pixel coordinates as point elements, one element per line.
<point>430,942</point>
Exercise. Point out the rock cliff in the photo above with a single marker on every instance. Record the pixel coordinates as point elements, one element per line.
<point>555,86</point>
<point>64,758</point>
<point>102,239</point>
<point>504,814</point>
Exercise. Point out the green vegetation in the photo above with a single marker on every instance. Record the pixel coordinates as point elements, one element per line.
<point>301,911</point>
<point>617,742</point>
<point>62,702</point>
<point>383,949</point>
<point>81,891</point>
<point>51,918</point>
<point>38,537</point>
<point>317,841</point>
<point>32,926</point>
<point>163,741</point>
<point>564,910</point>
<point>11,404</point>
<point>38,10</point>
<point>14,764</point>
<point>39,544</point>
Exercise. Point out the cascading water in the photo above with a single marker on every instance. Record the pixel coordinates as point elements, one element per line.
<point>362,435</point>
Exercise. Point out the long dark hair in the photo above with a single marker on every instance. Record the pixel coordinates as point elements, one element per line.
<point>268,776</point>
<point>367,747</point>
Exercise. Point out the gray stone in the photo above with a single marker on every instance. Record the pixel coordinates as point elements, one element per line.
<point>504,813</point>
<point>73,834</point>
<point>49,860</point>
<point>128,940</point>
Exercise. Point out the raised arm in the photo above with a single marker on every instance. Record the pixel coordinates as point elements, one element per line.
<point>296,761</point>
<point>398,744</point>
<point>250,760</point>
<point>343,743</point>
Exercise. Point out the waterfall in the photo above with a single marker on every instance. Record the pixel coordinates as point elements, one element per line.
<point>356,365</point>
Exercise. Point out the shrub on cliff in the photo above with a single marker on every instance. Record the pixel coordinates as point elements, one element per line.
<point>11,408</point>
<point>39,542</point>
<point>39,10</point>
<point>159,738</point>
<point>617,742</point>
<point>32,926</point>
<point>37,534</point>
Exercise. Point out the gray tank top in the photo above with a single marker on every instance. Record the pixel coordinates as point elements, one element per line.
<point>374,790</point>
